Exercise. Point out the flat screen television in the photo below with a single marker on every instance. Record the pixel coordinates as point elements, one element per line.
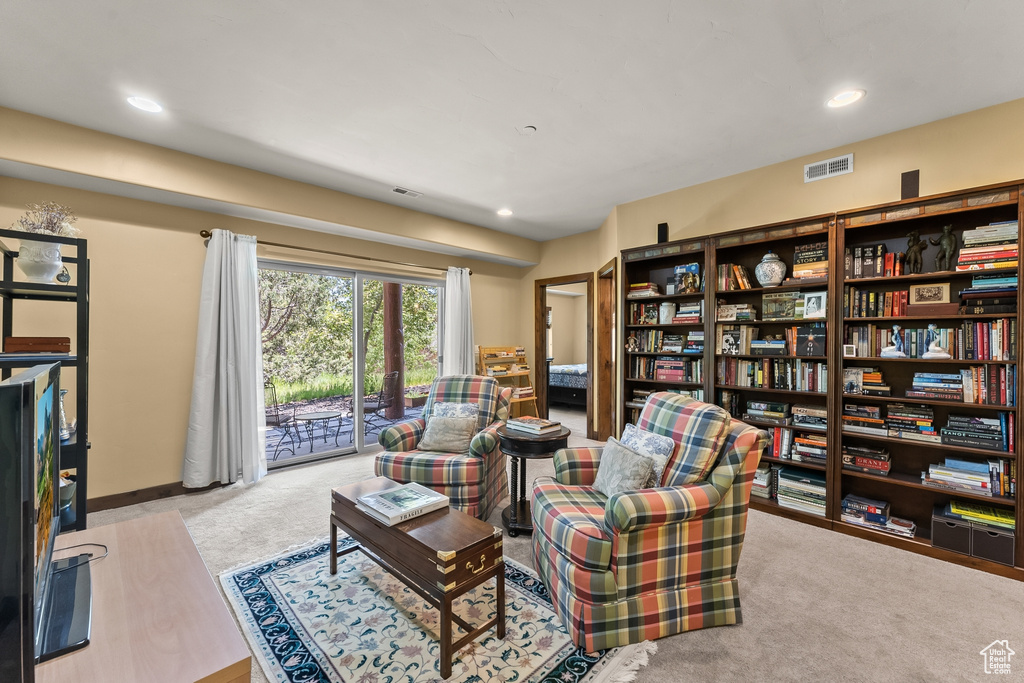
<point>44,605</point>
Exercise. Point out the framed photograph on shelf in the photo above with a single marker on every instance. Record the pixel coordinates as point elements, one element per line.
<point>849,351</point>
<point>933,293</point>
<point>814,304</point>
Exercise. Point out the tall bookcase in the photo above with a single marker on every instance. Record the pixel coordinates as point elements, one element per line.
<point>764,379</point>
<point>650,319</point>
<point>13,289</point>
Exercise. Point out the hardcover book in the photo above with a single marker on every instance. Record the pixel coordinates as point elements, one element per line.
<point>401,503</point>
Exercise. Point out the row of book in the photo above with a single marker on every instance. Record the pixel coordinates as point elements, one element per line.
<point>657,341</point>
<point>773,373</point>
<point>917,422</point>
<point>788,444</point>
<point>875,514</point>
<point>994,385</point>
<point>980,514</point>
<point>732,276</point>
<point>866,458</point>
<point>727,312</point>
<point>993,477</point>
<point>667,369</point>
<point>638,398</point>
<point>781,413</point>
<point>970,340</point>
<point>799,489</point>
<point>989,247</point>
<point>871,260</point>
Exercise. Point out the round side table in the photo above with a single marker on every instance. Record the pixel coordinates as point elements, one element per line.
<point>519,446</point>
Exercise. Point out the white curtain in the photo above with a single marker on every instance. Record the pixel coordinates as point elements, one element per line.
<point>227,421</point>
<point>457,356</point>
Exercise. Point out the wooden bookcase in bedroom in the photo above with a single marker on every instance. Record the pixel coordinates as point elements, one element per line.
<point>849,416</point>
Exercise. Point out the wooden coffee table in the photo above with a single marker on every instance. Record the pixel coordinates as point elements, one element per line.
<point>440,555</point>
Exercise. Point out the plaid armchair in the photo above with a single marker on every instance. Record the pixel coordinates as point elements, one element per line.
<point>474,482</point>
<point>645,564</point>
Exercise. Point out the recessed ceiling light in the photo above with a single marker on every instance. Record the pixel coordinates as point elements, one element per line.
<point>846,97</point>
<point>504,212</point>
<point>145,104</point>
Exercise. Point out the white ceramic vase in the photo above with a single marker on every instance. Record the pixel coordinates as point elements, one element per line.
<point>39,261</point>
<point>770,271</point>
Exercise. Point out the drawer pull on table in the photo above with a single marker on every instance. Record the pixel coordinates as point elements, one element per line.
<point>483,563</point>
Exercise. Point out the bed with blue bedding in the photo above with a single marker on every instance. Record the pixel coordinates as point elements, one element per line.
<point>567,384</point>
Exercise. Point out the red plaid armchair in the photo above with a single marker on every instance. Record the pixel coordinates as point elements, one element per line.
<point>474,482</point>
<point>645,564</point>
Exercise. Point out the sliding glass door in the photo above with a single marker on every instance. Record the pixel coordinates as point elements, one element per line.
<point>345,354</point>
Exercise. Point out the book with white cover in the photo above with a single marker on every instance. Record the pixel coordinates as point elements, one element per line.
<point>401,503</point>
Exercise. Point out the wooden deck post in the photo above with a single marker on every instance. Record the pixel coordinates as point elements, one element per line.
<point>394,346</point>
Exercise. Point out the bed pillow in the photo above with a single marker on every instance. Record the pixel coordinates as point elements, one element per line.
<point>621,469</point>
<point>657,447</point>
<point>448,434</point>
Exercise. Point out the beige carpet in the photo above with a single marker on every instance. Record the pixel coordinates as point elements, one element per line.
<point>817,605</point>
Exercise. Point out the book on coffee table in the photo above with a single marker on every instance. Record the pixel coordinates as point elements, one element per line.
<point>532,425</point>
<point>401,503</point>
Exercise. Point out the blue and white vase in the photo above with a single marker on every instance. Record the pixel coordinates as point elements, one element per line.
<point>770,271</point>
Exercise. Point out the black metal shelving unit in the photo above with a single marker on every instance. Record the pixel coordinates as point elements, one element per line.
<point>74,451</point>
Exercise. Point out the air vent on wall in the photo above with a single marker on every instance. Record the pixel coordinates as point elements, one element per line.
<point>412,194</point>
<point>820,170</point>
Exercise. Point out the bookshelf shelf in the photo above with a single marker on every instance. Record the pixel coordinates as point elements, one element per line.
<point>908,480</point>
<point>926,444</point>
<point>788,392</point>
<point>924,401</point>
<point>795,463</point>
<point>489,357</point>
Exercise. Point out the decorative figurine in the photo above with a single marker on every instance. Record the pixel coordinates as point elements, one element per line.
<point>915,245</point>
<point>894,350</point>
<point>632,343</point>
<point>931,341</point>
<point>947,248</point>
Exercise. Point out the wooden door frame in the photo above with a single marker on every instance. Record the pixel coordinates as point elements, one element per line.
<point>607,412</point>
<point>540,352</point>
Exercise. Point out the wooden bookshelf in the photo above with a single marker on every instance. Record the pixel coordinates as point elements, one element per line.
<point>502,363</point>
<point>888,224</point>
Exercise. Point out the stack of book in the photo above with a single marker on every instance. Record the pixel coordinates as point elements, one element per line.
<point>976,513</point>
<point>772,412</point>
<point>991,293</point>
<point>768,347</point>
<point>401,503</point>
<point>810,262</point>
<point>957,474</point>
<point>694,342</point>
<point>670,343</point>
<point>810,448</point>
<point>640,290</point>
<point>802,490</point>
<point>937,385</point>
<point>728,312</point>
<point>866,459</point>
<point>859,303</point>
<point>764,481</point>
<point>730,401</point>
<point>678,369</point>
<point>858,419</point>
<point>875,514</point>
<point>532,425</point>
<point>732,276</point>
<point>866,381</point>
<point>522,392</point>
<point>810,416</point>
<point>497,370</point>
<point>989,433</point>
<point>916,423</point>
<point>690,312</point>
<point>989,247</point>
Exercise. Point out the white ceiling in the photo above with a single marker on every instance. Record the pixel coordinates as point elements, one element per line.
<point>630,99</point>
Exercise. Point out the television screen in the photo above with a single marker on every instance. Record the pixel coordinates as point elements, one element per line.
<point>45,480</point>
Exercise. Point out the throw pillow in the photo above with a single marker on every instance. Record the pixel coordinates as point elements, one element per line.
<point>621,469</point>
<point>448,434</point>
<point>442,409</point>
<point>655,446</point>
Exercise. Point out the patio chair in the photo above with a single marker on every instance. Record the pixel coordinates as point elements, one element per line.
<point>375,407</point>
<point>281,420</point>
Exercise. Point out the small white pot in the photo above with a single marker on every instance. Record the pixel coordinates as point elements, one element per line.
<point>39,261</point>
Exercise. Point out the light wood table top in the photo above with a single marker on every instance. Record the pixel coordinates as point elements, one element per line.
<point>157,615</point>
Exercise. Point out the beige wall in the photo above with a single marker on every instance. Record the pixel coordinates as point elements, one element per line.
<point>147,262</point>
<point>568,323</point>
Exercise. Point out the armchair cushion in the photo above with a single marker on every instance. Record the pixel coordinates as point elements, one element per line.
<point>622,469</point>
<point>448,434</point>
<point>699,428</point>
<point>573,518</point>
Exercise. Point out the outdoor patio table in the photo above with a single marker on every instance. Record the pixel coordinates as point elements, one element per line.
<point>309,421</point>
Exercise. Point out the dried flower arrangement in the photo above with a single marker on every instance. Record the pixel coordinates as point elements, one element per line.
<point>48,218</point>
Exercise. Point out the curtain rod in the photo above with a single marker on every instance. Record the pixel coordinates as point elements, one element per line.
<point>206,234</point>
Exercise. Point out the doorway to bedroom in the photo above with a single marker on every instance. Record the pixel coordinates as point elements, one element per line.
<point>564,321</point>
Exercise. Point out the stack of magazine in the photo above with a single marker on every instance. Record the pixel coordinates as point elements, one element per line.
<point>401,503</point>
<point>532,425</point>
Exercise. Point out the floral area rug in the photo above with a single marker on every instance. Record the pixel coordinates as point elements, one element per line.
<point>363,625</point>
